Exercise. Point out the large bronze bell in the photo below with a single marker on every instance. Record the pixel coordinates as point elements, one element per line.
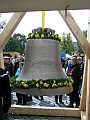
<point>42,60</point>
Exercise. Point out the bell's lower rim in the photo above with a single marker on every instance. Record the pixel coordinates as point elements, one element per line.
<point>45,92</point>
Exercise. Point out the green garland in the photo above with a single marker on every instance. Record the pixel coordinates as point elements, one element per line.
<point>46,34</point>
<point>50,83</point>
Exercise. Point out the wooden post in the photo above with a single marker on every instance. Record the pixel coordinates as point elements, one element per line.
<point>1,59</point>
<point>88,78</point>
<point>88,93</point>
<point>69,20</point>
<point>86,46</point>
<point>84,87</point>
<point>10,27</point>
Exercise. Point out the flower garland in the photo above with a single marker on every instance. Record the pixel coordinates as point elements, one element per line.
<point>46,84</point>
<point>46,34</point>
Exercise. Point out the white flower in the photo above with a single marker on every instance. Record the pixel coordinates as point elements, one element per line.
<point>37,85</point>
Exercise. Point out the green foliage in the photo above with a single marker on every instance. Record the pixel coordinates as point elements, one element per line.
<point>13,82</point>
<point>66,43</point>
<point>80,49</point>
<point>44,36</point>
<point>85,33</point>
<point>50,83</point>
<point>16,43</point>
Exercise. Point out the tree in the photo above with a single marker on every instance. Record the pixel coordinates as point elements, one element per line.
<point>80,49</point>
<point>16,43</point>
<point>66,43</point>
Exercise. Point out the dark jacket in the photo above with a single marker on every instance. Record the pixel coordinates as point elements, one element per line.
<point>5,90</point>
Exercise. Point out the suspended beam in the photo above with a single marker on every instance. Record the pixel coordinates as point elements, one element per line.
<point>10,27</point>
<point>84,87</point>
<point>69,20</point>
<point>32,5</point>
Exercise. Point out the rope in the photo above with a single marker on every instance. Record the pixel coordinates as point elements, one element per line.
<point>43,20</point>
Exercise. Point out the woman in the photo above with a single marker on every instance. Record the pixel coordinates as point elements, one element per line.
<point>21,97</point>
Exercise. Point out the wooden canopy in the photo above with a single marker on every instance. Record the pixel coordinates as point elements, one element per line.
<point>36,5</point>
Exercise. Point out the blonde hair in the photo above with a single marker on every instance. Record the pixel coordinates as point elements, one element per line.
<point>74,60</point>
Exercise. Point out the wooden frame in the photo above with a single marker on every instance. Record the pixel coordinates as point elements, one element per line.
<point>31,5</point>
<point>88,77</point>
<point>7,32</point>
<point>44,111</point>
<point>84,86</point>
<point>78,34</point>
<point>4,36</point>
<point>85,102</point>
<point>10,27</point>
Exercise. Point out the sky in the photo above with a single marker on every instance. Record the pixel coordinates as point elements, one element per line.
<point>53,20</point>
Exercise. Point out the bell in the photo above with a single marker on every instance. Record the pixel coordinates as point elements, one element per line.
<point>42,62</point>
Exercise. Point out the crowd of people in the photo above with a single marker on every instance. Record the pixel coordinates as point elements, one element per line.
<point>11,66</point>
<point>72,67</point>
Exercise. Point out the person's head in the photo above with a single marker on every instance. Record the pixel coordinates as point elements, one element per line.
<point>69,62</point>
<point>21,65</point>
<point>74,61</point>
<point>79,60</point>
<point>77,54</point>
<point>6,60</point>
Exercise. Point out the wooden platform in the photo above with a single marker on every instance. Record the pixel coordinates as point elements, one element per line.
<point>44,111</point>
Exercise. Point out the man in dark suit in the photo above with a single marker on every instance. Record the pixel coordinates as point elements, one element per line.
<point>5,91</point>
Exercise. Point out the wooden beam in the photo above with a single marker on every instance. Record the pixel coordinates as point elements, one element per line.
<point>1,59</point>
<point>31,5</point>
<point>83,115</point>
<point>46,111</point>
<point>84,87</point>
<point>10,27</point>
<point>88,77</point>
<point>69,20</point>
<point>88,93</point>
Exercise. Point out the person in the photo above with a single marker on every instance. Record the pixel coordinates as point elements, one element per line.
<point>76,76</point>
<point>81,66</point>
<point>8,66</point>
<point>41,97</point>
<point>5,91</point>
<point>69,67</point>
<point>60,96</point>
<point>19,69</point>
<point>22,98</point>
<point>16,66</point>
